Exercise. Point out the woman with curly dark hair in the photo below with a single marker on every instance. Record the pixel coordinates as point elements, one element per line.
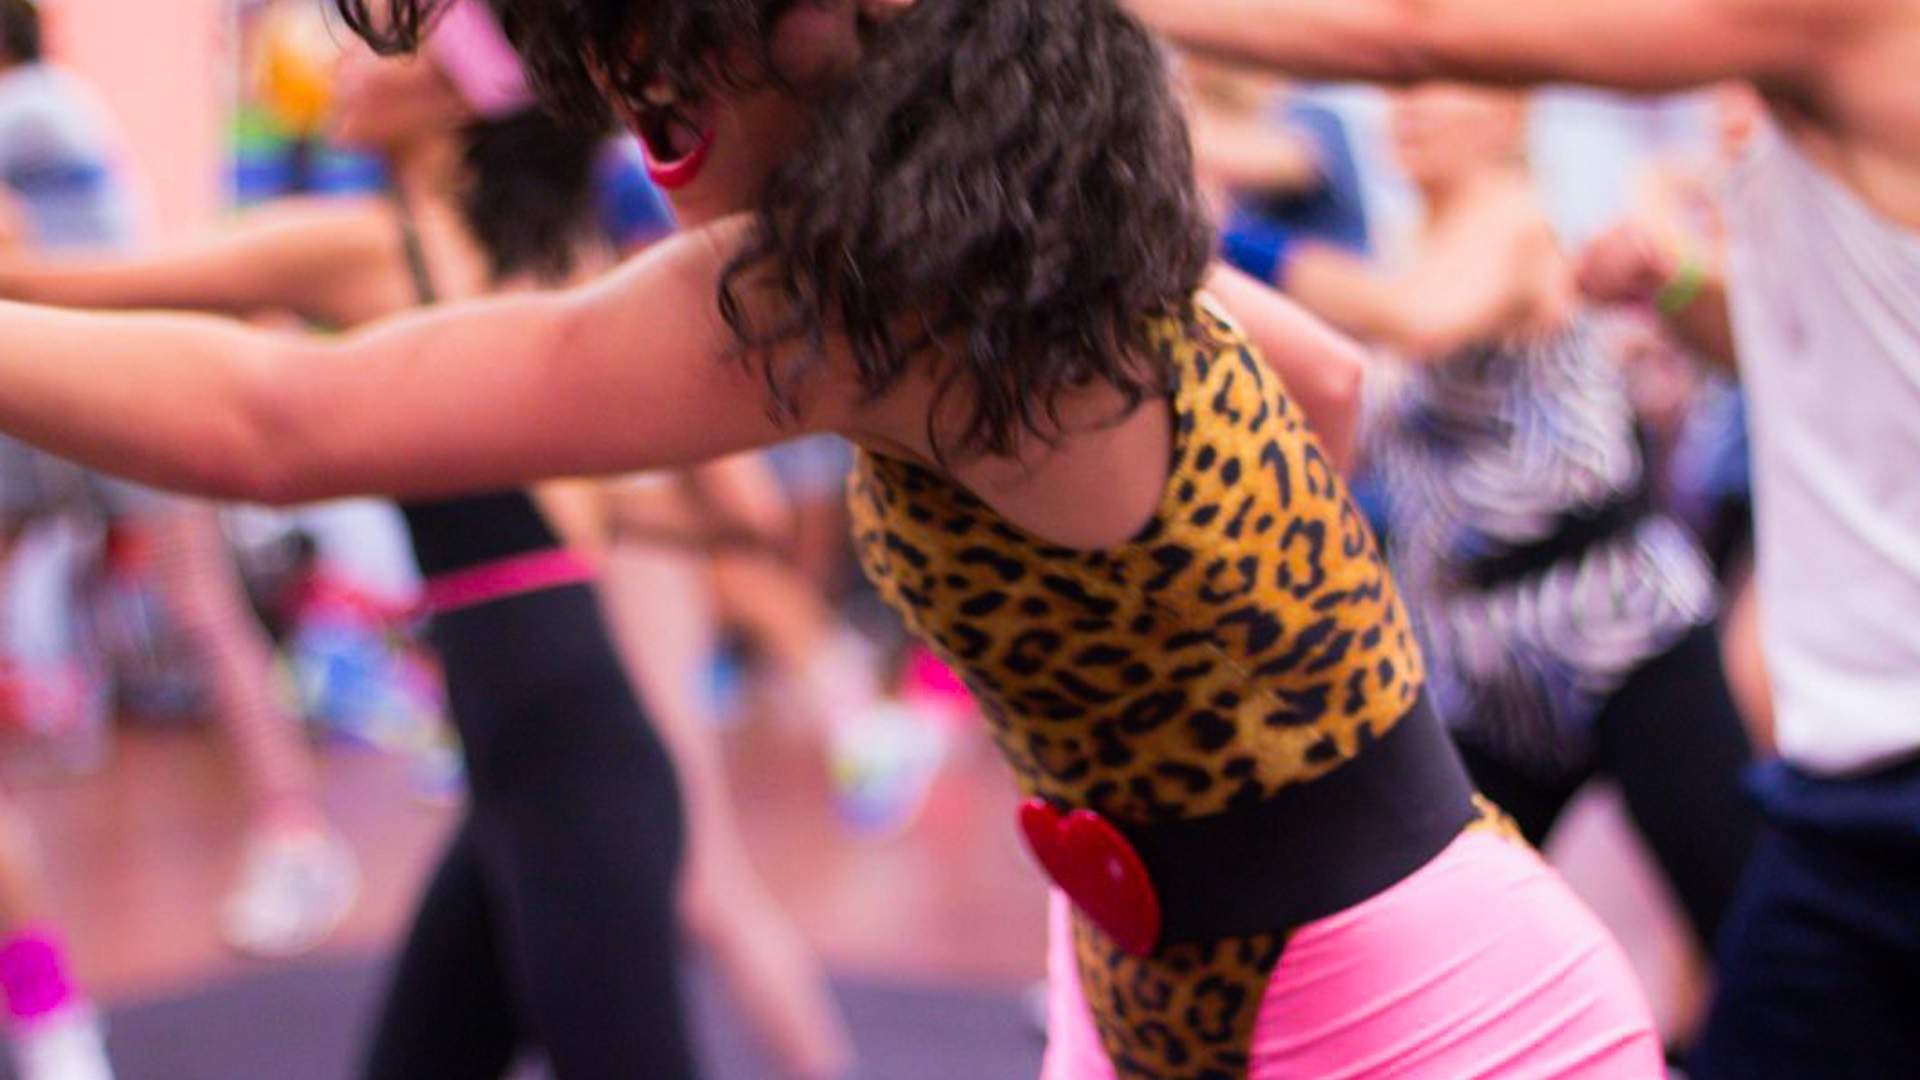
<point>964,234</point>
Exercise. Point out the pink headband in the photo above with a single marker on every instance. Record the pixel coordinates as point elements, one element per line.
<point>470,48</point>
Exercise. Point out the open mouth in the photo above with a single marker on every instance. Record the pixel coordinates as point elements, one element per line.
<point>676,146</point>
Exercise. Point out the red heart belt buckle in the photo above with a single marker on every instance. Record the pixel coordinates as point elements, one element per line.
<point>1098,870</point>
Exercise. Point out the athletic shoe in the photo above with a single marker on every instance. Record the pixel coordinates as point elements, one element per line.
<point>66,1045</point>
<point>884,761</point>
<point>295,889</point>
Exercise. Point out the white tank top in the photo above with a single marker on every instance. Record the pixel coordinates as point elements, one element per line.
<point>1826,307</point>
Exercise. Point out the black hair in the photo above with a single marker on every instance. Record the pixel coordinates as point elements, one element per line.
<point>1003,185</point>
<point>530,197</point>
<point>20,31</point>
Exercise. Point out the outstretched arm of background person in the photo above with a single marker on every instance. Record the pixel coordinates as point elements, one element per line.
<point>1466,286</point>
<point>623,374</point>
<point>1647,45</point>
<point>1253,156</point>
<point>298,256</point>
<point>1322,370</point>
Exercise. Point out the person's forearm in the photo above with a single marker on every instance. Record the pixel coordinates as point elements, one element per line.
<point>1254,158</point>
<point>118,284</point>
<point>1637,45</point>
<point>1298,39</point>
<point>1379,310</point>
<point>306,260</point>
<point>169,400</point>
<point>208,406</point>
<point>158,283</point>
<point>476,396</point>
<point>34,280</point>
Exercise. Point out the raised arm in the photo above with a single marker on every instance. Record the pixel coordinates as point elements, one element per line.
<point>627,373</point>
<point>1469,283</point>
<point>1251,155</point>
<point>317,259</point>
<point>1646,45</point>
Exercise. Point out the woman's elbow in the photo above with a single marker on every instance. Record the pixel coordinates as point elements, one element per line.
<point>1342,386</point>
<point>262,456</point>
<point>1341,380</point>
<point>242,464</point>
<point>1329,389</point>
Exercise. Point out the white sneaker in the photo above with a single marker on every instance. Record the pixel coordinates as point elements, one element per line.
<point>294,890</point>
<point>67,1045</point>
<point>884,762</point>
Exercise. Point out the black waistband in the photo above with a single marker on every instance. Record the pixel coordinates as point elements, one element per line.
<point>1573,534</point>
<point>1874,810</point>
<point>1316,848</point>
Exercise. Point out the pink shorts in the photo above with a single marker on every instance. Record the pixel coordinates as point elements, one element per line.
<point>1482,964</point>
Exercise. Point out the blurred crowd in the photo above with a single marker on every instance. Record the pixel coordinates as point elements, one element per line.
<point>1521,265</point>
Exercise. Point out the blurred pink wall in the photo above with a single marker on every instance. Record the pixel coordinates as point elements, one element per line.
<point>163,67</point>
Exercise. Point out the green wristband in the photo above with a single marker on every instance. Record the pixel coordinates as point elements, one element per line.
<point>1679,293</point>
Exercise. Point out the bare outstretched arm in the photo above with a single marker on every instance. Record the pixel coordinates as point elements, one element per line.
<point>324,260</point>
<point>1253,156</point>
<point>1646,45</point>
<point>1470,282</point>
<point>627,373</point>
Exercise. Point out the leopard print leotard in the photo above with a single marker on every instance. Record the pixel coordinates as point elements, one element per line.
<point>1248,639</point>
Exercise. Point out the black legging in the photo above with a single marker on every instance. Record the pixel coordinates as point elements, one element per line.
<point>550,922</point>
<point>1674,740</point>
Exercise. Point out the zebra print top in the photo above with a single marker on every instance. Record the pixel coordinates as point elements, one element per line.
<point>1519,531</point>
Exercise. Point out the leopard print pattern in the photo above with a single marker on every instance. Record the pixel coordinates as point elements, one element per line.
<point>1248,639</point>
<point>1491,819</point>
<point>1186,1013</point>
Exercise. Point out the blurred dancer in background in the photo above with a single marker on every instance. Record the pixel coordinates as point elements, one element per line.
<point>1570,625</point>
<point>298,879</point>
<point>1052,463</point>
<point>469,156</point>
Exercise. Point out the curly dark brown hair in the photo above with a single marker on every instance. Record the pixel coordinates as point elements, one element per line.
<point>1002,188</point>
<point>529,196</point>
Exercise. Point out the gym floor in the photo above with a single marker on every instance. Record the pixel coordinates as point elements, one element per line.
<point>139,852</point>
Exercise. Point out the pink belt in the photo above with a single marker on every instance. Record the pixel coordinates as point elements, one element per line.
<point>504,579</point>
